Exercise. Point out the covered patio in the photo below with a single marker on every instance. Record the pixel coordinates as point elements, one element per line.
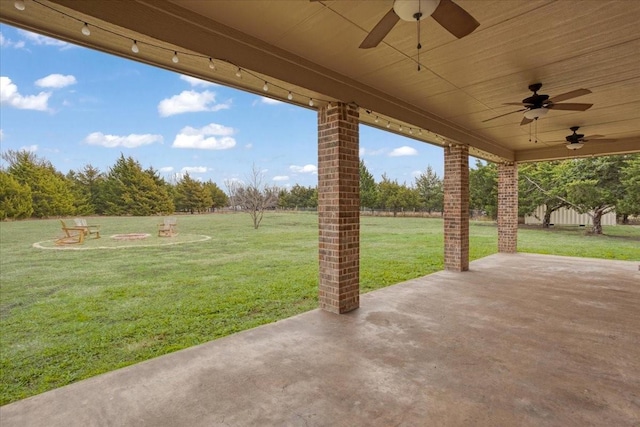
<point>516,340</point>
<point>519,339</point>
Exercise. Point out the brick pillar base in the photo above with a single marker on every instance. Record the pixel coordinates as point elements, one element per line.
<point>456,208</point>
<point>508,207</point>
<point>339,208</point>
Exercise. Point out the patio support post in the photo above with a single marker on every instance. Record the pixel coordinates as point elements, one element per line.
<point>456,208</point>
<point>338,208</point>
<point>508,207</point>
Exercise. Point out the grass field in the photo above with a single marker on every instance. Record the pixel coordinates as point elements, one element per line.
<point>71,314</point>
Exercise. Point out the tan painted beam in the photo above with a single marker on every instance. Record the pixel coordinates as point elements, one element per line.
<point>592,148</point>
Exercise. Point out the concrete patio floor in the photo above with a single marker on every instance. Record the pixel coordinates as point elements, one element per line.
<point>520,340</point>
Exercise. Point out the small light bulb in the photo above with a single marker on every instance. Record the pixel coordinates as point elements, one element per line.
<point>400,128</point>
<point>290,96</point>
<point>175,58</point>
<point>410,131</point>
<point>19,4</point>
<point>239,73</point>
<point>265,87</point>
<point>377,119</point>
<point>211,64</point>
<point>420,132</point>
<point>134,47</point>
<point>85,30</point>
<point>310,102</point>
<point>388,125</point>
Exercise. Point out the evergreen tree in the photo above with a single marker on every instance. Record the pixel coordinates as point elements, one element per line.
<point>218,196</point>
<point>81,194</point>
<point>430,190</point>
<point>91,181</point>
<point>15,198</point>
<point>191,196</point>
<point>368,188</point>
<point>395,197</point>
<point>129,190</point>
<point>50,191</point>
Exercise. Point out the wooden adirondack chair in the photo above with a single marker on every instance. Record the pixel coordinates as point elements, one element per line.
<point>88,229</point>
<point>168,227</point>
<point>71,235</point>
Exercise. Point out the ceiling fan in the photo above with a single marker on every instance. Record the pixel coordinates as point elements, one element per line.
<point>537,106</point>
<point>452,17</point>
<point>576,140</point>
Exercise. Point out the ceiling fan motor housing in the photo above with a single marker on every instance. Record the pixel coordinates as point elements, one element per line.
<point>574,138</point>
<point>407,9</point>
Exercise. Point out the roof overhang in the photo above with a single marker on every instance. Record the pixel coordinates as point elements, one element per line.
<point>311,49</point>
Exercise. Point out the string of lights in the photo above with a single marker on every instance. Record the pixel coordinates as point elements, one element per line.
<point>392,125</point>
<point>138,46</point>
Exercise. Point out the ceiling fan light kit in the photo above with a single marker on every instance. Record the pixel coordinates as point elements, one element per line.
<point>538,105</point>
<point>576,140</point>
<point>449,15</point>
<point>408,9</point>
<point>536,113</point>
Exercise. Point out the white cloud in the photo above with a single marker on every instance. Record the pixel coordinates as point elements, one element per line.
<point>10,43</point>
<point>9,95</point>
<point>363,151</point>
<point>281,178</point>
<point>31,148</point>
<point>56,81</point>
<point>190,101</point>
<point>1,134</point>
<point>403,151</point>
<point>194,169</point>
<point>166,169</point>
<point>304,169</point>
<point>43,40</point>
<point>269,101</point>
<point>210,137</point>
<point>129,141</point>
<point>248,146</point>
<point>194,82</point>
<point>416,174</point>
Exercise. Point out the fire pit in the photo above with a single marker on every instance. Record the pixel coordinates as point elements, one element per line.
<point>130,236</point>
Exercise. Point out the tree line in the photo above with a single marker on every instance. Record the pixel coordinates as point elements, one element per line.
<point>30,186</point>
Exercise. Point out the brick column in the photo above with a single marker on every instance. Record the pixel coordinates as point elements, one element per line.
<point>456,208</point>
<point>339,208</point>
<point>508,207</point>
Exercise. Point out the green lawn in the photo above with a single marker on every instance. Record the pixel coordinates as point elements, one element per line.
<point>71,314</point>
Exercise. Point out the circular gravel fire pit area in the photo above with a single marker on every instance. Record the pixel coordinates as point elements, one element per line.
<point>130,236</point>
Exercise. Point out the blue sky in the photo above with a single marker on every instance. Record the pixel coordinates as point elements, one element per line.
<point>75,106</point>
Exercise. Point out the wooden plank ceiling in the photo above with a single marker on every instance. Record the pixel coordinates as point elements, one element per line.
<point>311,49</point>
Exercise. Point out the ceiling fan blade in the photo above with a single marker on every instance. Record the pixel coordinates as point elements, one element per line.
<point>569,95</point>
<point>525,121</point>
<point>502,115</point>
<point>570,107</point>
<point>516,103</point>
<point>599,140</point>
<point>593,137</point>
<point>454,19</point>
<point>380,31</point>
